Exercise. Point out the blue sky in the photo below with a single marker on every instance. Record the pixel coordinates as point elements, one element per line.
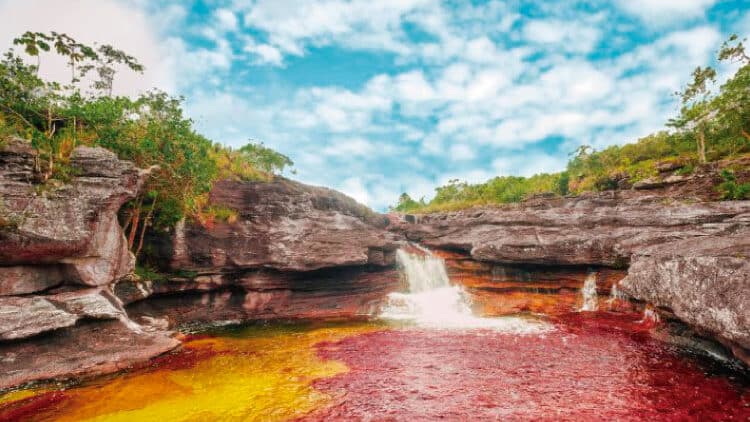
<point>378,97</point>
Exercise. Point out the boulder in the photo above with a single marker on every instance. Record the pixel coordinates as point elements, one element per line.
<point>26,316</point>
<point>73,224</point>
<point>704,281</point>
<point>83,350</point>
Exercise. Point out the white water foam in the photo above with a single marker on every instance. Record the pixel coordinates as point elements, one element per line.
<point>588,292</point>
<point>434,302</point>
<point>615,295</point>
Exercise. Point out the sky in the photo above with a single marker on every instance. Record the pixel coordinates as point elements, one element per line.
<point>379,97</point>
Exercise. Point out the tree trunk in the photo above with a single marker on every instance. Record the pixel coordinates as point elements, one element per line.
<point>701,146</point>
<point>745,134</point>
<point>134,224</point>
<point>144,225</point>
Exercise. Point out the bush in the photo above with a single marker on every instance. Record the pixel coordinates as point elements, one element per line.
<point>730,189</point>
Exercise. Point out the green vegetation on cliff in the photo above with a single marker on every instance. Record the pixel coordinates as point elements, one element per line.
<point>150,130</point>
<point>711,126</point>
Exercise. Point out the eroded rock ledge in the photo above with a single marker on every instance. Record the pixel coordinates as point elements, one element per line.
<point>70,305</point>
<point>690,257</point>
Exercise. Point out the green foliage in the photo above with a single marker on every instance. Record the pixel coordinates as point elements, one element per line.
<point>150,130</point>
<point>563,184</point>
<point>406,204</point>
<point>264,158</point>
<point>712,125</point>
<point>148,273</point>
<point>730,189</point>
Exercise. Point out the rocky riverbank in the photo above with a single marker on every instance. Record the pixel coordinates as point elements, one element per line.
<point>71,306</point>
<point>686,256</point>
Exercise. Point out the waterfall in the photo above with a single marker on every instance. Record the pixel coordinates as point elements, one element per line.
<point>615,295</point>
<point>433,301</point>
<point>588,292</point>
<point>650,316</point>
<point>424,273</point>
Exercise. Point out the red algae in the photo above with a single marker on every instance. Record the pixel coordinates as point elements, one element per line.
<point>596,366</point>
<point>26,408</point>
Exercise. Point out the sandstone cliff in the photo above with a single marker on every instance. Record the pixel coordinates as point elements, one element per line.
<point>70,305</point>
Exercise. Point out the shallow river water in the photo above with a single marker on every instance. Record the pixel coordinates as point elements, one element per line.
<point>412,366</point>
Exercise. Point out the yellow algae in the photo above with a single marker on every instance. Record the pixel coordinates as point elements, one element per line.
<point>17,395</point>
<point>252,374</point>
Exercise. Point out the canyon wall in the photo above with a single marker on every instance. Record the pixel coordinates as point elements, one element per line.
<point>71,306</point>
<point>689,257</point>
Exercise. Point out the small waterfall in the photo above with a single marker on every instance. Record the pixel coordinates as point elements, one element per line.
<point>433,301</point>
<point>615,295</point>
<point>424,273</point>
<point>588,292</point>
<point>650,316</point>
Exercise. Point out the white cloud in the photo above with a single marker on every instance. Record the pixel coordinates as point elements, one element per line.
<point>462,152</point>
<point>95,21</point>
<point>571,36</point>
<point>226,19</point>
<point>659,12</point>
<point>265,53</point>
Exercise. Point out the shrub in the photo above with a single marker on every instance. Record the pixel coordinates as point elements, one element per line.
<point>730,189</point>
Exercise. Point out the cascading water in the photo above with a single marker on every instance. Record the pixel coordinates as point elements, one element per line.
<point>433,301</point>
<point>590,298</point>
<point>615,296</point>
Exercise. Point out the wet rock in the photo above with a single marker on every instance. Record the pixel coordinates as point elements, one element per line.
<point>704,281</point>
<point>86,349</point>
<point>339,293</point>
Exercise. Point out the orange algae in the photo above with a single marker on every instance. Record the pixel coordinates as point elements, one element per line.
<point>256,373</point>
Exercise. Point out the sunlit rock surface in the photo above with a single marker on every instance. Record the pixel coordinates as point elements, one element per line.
<point>72,225</point>
<point>705,281</point>
<point>592,229</point>
<point>283,225</point>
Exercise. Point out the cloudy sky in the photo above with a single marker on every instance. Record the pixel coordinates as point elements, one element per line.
<point>377,97</point>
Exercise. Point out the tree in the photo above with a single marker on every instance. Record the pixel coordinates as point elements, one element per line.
<point>34,43</point>
<point>264,158</point>
<point>733,101</point>
<point>697,110</point>
<point>107,59</point>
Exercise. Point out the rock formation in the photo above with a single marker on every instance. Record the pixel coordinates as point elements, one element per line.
<point>704,281</point>
<point>71,306</point>
<point>689,257</point>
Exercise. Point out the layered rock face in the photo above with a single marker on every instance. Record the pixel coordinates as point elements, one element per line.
<point>704,281</point>
<point>63,231</point>
<point>295,251</point>
<point>70,306</point>
<point>283,225</point>
<point>60,248</point>
<point>689,257</point>
<point>592,229</point>
<point>506,289</point>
